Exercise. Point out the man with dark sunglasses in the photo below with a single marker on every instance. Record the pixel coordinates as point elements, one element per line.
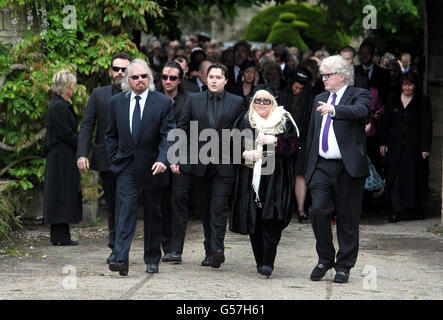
<point>173,225</point>
<point>136,142</point>
<point>96,114</point>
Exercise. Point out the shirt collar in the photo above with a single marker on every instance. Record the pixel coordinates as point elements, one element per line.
<point>339,93</point>
<point>143,96</point>
<point>219,96</point>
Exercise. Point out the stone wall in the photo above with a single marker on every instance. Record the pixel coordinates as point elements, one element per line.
<point>12,25</point>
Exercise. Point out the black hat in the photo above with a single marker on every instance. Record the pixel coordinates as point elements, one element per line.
<point>247,64</point>
<point>301,76</point>
<point>267,87</point>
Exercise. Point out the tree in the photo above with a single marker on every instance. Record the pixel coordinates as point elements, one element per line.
<point>320,32</point>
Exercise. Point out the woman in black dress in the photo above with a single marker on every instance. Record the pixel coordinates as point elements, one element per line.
<point>263,195</point>
<point>406,141</point>
<point>297,100</point>
<point>62,191</point>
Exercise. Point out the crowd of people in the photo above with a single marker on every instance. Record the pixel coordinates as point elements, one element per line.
<point>336,133</point>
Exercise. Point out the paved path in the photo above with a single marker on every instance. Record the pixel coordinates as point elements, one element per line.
<point>396,261</point>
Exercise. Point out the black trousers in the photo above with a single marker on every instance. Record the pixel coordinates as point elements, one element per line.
<point>166,213</point>
<point>127,202</point>
<point>109,188</point>
<point>333,189</point>
<point>60,233</point>
<point>265,240</point>
<point>213,205</point>
<point>181,186</point>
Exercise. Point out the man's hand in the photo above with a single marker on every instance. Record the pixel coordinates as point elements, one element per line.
<point>175,168</point>
<point>383,150</point>
<point>324,108</point>
<point>83,164</point>
<point>158,167</point>
<point>425,154</point>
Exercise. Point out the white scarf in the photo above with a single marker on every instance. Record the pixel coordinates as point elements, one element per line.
<point>267,126</point>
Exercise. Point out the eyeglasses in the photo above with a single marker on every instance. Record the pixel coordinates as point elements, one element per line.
<point>117,69</point>
<point>262,101</point>
<point>166,77</point>
<point>327,75</point>
<point>135,77</point>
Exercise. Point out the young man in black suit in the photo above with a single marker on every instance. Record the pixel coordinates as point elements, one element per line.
<point>136,141</point>
<point>96,115</point>
<point>214,109</point>
<point>337,166</point>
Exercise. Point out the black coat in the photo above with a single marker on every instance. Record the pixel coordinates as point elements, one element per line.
<point>351,116</point>
<point>152,144</point>
<point>96,112</point>
<point>195,110</point>
<point>276,190</point>
<point>408,132</point>
<point>62,191</point>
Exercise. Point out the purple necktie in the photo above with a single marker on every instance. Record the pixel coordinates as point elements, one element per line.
<point>324,142</point>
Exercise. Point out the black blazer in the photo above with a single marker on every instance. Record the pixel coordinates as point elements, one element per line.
<point>96,112</point>
<point>379,79</point>
<point>195,109</point>
<point>152,145</point>
<point>351,116</point>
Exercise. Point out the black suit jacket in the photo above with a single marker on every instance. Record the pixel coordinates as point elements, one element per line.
<point>379,79</point>
<point>195,109</point>
<point>360,79</point>
<point>351,116</point>
<point>96,112</point>
<point>152,145</point>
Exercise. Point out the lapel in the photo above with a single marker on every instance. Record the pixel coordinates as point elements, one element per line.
<point>147,111</point>
<point>126,100</point>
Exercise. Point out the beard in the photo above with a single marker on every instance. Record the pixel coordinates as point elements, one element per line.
<point>118,81</point>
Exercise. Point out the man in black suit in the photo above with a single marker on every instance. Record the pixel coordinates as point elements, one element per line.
<point>337,166</point>
<point>198,83</point>
<point>171,79</point>
<point>214,109</point>
<point>96,114</point>
<point>378,77</point>
<point>242,52</point>
<point>136,141</point>
<point>360,79</point>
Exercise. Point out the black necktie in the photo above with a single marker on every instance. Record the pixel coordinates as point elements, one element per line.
<point>136,121</point>
<point>239,76</point>
<point>212,111</point>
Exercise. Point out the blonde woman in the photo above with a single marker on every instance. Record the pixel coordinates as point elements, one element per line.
<point>263,199</point>
<point>62,192</point>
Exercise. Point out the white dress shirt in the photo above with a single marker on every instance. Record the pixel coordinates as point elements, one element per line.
<point>132,102</point>
<point>333,151</point>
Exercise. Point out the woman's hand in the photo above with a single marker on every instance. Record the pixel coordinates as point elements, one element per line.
<point>266,139</point>
<point>252,155</point>
<point>383,150</point>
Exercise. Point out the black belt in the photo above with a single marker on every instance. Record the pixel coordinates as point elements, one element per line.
<point>334,160</point>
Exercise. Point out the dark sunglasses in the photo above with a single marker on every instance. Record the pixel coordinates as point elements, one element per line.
<point>117,69</point>
<point>172,78</point>
<point>143,76</point>
<point>262,101</point>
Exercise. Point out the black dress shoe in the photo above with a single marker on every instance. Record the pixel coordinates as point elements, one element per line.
<point>395,217</point>
<point>341,277</point>
<point>167,257</point>
<point>111,258</point>
<point>265,270</point>
<point>319,272</point>
<point>152,268</point>
<point>207,261</point>
<point>67,243</point>
<point>121,267</point>
<point>176,258</point>
<point>218,258</point>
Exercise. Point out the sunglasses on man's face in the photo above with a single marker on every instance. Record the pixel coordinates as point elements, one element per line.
<point>166,77</point>
<point>136,76</point>
<point>117,69</point>
<point>262,101</point>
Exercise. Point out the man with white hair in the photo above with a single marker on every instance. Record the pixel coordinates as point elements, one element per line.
<point>137,145</point>
<point>337,166</point>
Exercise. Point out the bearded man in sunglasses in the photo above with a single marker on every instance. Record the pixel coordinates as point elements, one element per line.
<point>136,141</point>
<point>96,114</point>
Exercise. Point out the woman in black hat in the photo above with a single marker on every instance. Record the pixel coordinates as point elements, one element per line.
<point>297,100</point>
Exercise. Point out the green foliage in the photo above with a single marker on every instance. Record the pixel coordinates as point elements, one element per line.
<point>11,208</point>
<point>314,29</point>
<point>286,31</point>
